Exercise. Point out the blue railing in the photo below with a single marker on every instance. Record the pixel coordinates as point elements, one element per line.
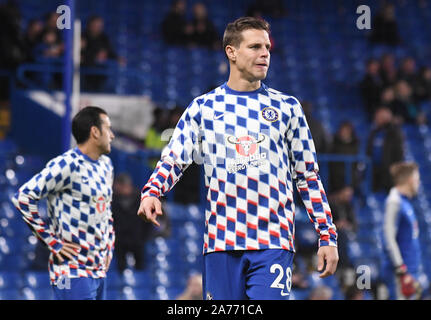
<point>43,70</point>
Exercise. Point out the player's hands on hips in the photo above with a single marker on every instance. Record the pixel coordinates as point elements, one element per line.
<point>69,250</point>
<point>327,260</point>
<point>149,209</point>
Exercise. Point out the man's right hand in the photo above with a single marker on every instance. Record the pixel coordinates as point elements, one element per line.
<point>69,250</point>
<point>149,209</point>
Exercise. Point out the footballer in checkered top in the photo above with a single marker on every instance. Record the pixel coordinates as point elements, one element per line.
<point>253,142</point>
<point>79,229</point>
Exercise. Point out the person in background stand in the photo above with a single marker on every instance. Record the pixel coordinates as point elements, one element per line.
<point>175,28</point>
<point>345,142</point>
<point>385,146</point>
<point>96,51</point>
<point>371,86</point>
<point>204,32</point>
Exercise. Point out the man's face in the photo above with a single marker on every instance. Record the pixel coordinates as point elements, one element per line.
<point>106,135</point>
<point>253,56</point>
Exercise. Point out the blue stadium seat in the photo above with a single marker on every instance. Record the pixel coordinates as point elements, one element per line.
<point>165,293</point>
<point>136,279</point>
<point>8,146</point>
<point>13,262</point>
<point>169,278</point>
<point>142,294</point>
<point>142,278</point>
<point>36,280</point>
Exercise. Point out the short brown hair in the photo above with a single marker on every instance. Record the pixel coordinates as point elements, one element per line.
<point>232,35</point>
<point>401,171</point>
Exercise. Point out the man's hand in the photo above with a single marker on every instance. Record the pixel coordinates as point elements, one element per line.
<point>69,251</point>
<point>150,208</point>
<point>327,260</point>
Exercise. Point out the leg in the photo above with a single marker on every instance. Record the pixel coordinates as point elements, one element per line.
<point>269,275</point>
<point>223,277</point>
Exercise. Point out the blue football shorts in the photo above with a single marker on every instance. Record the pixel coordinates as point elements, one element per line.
<point>248,275</point>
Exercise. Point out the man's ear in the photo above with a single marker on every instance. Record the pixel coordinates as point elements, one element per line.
<point>231,52</point>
